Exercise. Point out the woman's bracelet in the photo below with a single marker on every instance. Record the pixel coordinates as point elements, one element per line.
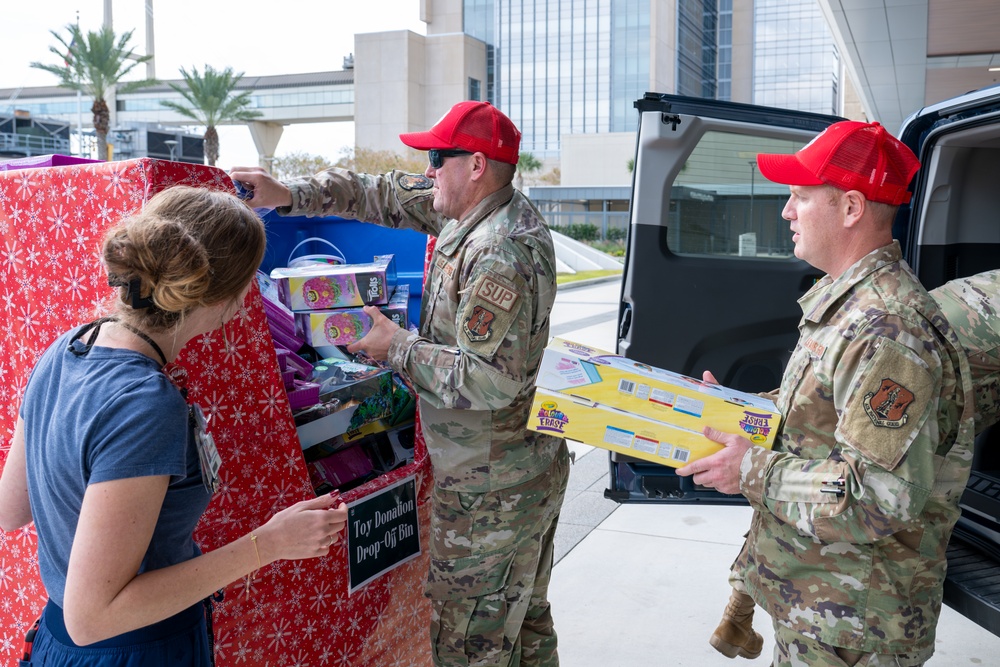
<point>249,577</point>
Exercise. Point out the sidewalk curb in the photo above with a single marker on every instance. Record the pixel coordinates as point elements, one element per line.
<point>588,282</point>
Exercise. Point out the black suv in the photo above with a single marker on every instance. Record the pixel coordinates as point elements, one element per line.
<point>711,282</point>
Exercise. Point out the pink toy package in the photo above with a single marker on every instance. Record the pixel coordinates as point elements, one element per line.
<point>321,286</point>
<point>343,326</point>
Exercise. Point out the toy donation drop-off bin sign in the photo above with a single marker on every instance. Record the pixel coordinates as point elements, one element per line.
<point>365,609</point>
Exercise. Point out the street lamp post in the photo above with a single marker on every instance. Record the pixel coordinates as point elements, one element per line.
<point>171,144</point>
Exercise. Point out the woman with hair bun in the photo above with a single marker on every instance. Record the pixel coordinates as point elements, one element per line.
<point>105,456</point>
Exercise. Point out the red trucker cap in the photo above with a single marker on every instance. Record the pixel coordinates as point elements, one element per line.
<point>477,127</point>
<point>849,155</point>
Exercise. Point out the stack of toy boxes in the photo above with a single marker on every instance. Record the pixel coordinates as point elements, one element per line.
<point>344,407</point>
<point>350,394</point>
<point>615,403</point>
<point>342,326</point>
<point>344,446</point>
<point>321,286</point>
<point>280,320</point>
<point>323,304</point>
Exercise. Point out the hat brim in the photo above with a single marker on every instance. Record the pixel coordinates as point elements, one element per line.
<point>785,169</point>
<point>424,141</point>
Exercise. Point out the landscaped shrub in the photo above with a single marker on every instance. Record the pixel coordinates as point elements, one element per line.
<point>616,234</point>
<point>580,232</point>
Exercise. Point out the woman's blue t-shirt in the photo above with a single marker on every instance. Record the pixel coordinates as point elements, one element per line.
<point>105,415</point>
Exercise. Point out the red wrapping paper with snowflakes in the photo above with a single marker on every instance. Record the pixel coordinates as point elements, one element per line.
<point>296,614</point>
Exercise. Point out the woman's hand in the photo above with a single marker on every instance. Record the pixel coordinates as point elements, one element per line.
<point>307,529</point>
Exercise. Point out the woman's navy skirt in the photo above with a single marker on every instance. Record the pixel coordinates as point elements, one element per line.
<point>179,641</point>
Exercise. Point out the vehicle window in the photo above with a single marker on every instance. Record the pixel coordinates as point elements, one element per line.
<point>720,205</point>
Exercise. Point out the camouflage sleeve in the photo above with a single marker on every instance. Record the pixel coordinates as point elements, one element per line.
<point>972,306</point>
<point>396,199</point>
<point>881,464</point>
<point>488,367</point>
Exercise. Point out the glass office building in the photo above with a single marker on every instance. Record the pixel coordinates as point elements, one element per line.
<point>697,48</point>
<point>796,62</point>
<point>725,57</point>
<point>562,67</point>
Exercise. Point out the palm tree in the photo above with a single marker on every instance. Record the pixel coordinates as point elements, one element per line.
<point>527,164</point>
<point>94,65</point>
<point>211,101</point>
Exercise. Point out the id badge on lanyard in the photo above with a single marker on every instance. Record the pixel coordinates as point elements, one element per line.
<point>208,454</point>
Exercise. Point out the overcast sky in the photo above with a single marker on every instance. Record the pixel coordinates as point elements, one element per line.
<point>256,38</point>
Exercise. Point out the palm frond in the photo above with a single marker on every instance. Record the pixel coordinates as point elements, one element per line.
<point>182,110</point>
<point>94,62</point>
<point>211,96</point>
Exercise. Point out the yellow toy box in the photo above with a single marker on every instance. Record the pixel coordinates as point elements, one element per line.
<point>614,392</point>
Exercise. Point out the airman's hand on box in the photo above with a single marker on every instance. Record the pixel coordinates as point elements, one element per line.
<point>720,471</point>
<point>376,343</point>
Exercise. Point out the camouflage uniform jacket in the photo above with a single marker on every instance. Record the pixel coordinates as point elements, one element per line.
<point>972,306</point>
<point>857,501</point>
<point>484,321</point>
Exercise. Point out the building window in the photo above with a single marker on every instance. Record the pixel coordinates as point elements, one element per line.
<point>697,48</point>
<point>725,63</point>
<point>796,63</point>
<point>475,92</point>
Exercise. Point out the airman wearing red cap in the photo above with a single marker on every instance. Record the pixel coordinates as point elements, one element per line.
<point>855,504</point>
<point>483,326</point>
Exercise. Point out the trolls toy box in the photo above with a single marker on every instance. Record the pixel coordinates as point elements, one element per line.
<point>343,326</point>
<point>324,286</point>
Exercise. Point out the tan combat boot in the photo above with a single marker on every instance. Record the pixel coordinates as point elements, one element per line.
<point>735,634</point>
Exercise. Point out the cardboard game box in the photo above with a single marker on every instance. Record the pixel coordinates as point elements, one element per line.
<point>357,394</point>
<point>616,403</point>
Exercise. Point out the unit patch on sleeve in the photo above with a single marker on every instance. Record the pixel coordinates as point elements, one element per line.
<point>489,312</point>
<point>887,406</point>
<point>891,399</point>
<point>479,325</point>
<point>414,182</point>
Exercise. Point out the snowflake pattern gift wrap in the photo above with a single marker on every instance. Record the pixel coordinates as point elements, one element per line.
<point>52,221</point>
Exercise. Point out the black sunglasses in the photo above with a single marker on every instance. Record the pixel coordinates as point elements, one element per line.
<point>436,156</point>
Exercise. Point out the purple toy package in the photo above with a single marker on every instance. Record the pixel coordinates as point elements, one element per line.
<point>344,326</point>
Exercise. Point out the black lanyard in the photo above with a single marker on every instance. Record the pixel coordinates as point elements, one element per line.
<point>95,328</point>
